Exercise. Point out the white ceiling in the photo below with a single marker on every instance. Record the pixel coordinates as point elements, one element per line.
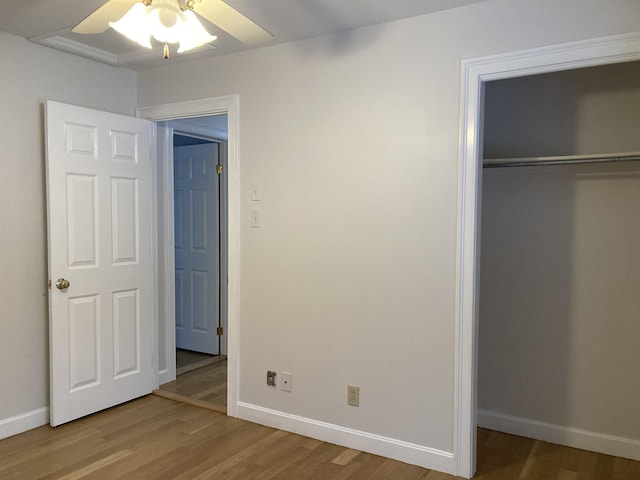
<point>49,22</point>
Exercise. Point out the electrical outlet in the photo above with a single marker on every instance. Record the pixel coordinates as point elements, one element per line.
<point>353,396</point>
<point>285,383</point>
<point>271,378</point>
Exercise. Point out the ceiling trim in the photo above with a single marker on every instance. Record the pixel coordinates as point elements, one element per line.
<point>78,48</point>
<point>131,57</point>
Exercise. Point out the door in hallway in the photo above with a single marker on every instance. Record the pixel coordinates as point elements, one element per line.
<point>197,247</point>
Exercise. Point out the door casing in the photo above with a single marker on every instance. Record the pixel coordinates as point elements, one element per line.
<point>164,240</point>
<point>475,72</point>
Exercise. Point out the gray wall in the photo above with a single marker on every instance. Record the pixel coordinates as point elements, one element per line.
<point>30,75</point>
<point>560,264</point>
<point>582,111</point>
<point>354,138</point>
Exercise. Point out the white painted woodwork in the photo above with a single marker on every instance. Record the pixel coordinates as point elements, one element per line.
<point>99,213</point>
<point>165,349</point>
<point>197,247</point>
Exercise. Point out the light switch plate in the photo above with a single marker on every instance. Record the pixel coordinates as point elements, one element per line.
<point>254,218</point>
<point>255,192</point>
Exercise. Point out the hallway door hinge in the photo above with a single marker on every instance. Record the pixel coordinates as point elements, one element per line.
<point>219,169</point>
<point>220,331</point>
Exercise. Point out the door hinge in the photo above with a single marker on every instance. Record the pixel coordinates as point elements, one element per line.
<point>220,331</point>
<point>219,169</point>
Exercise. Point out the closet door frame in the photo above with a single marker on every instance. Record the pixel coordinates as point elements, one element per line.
<point>475,73</point>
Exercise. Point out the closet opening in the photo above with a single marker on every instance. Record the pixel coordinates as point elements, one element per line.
<point>559,267</point>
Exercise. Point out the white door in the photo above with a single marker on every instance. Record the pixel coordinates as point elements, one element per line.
<point>197,247</point>
<point>99,218</point>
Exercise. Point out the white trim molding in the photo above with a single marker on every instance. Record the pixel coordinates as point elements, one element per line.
<point>24,422</point>
<point>475,72</point>
<point>135,56</point>
<point>230,106</point>
<point>165,255</point>
<point>407,452</point>
<point>570,437</point>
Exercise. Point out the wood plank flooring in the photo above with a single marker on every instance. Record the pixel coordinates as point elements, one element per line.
<point>187,360</point>
<point>509,457</point>
<point>156,438</point>
<point>206,384</point>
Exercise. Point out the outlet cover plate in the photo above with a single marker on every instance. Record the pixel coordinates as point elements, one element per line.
<point>285,383</point>
<point>353,396</point>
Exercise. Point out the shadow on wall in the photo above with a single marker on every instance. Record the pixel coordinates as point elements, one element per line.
<point>525,294</point>
<point>344,42</point>
<point>582,111</point>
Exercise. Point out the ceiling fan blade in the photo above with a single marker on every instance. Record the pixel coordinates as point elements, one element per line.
<point>99,20</point>
<point>233,22</point>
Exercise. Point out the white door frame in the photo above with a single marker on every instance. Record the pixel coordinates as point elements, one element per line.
<point>475,72</point>
<point>164,242</point>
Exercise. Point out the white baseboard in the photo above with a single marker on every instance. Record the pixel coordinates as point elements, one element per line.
<point>23,422</point>
<point>412,453</point>
<point>570,437</point>
<point>163,377</point>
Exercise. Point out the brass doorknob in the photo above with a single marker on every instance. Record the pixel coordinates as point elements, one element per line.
<point>62,284</point>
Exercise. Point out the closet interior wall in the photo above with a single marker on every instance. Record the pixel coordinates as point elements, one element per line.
<point>559,307</point>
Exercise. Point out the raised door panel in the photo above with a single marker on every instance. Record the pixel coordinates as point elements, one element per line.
<point>126,333</point>
<point>124,217</point>
<point>84,342</point>
<point>82,221</point>
<point>199,221</point>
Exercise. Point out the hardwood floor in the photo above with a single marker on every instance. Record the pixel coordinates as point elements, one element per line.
<point>503,456</point>
<point>187,360</point>
<point>156,438</point>
<point>205,387</point>
<point>188,357</point>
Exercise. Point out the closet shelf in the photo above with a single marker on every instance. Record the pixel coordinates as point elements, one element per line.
<point>560,160</point>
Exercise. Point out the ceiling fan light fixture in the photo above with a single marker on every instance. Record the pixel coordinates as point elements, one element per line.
<point>134,25</point>
<point>166,26</point>
<point>194,34</point>
<point>165,21</point>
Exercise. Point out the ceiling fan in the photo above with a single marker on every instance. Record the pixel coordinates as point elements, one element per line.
<point>172,21</point>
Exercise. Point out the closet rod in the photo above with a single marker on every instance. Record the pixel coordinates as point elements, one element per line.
<point>560,160</point>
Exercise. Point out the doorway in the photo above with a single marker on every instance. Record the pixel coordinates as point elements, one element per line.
<point>475,73</point>
<point>557,316</point>
<point>164,245</point>
<point>199,151</point>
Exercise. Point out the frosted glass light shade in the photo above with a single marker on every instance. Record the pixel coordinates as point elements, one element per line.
<point>134,25</point>
<point>164,23</point>
<point>193,34</point>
